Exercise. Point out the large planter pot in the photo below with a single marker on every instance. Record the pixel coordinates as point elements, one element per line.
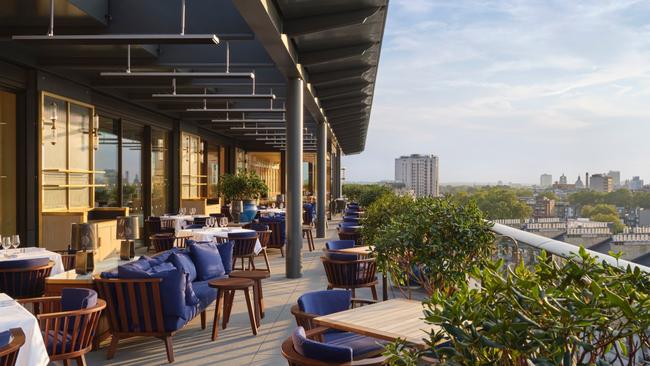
<point>236,209</point>
<point>249,212</point>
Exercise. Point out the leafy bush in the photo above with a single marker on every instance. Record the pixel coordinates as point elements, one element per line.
<point>581,312</point>
<point>381,212</point>
<point>498,202</point>
<point>365,194</point>
<point>244,185</point>
<point>433,241</point>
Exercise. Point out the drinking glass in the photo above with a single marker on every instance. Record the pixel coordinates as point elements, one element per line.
<point>193,211</point>
<point>6,243</point>
<point>223,221</point>
<point>15,242</point>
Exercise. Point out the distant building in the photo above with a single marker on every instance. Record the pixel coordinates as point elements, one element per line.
<point>545,180</point>
<point>419,173</point>
<point>643,218</point>
<point>579,184</point>
<point>616,178</point>
<point>563,179</point>
<point>601,183</point>
<point>543,207</point>
<point>636,184</point>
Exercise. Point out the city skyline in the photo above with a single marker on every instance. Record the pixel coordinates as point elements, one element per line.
<point>506,90</point>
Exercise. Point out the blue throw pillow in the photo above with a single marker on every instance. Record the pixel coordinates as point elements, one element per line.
<point>225,250</point>
<point>207,261</point>
<point>182,261</point>
<point>77,299</point>
<point>190,296</point>
<point>319,351</point>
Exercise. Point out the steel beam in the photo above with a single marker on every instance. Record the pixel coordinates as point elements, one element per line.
<point>318,23</point>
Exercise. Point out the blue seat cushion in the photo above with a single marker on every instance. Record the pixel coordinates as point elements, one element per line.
<point>182,260</point>
<point>5,338</point>
<point>325,302</point>
<point>207,260</point>
<point>339,244</point>
<point>257,226</point>
<point>204,293</point>
<point>77,299</point>
<point>225,251</point>
<point>194,226</point>
<point>242,235</point>
<point>361,345</point>
<point>54,341</point>
<point>319,351</point>
<point>24,263</point>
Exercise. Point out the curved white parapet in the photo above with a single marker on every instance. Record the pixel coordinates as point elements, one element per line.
<point>559,248</point>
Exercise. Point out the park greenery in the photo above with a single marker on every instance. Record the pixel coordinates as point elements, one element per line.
<point>365,194</point>
<point>577,312</point>
<point>619,198</point>
<point>429,241</point>
<point>499,202</point>
<point>603,213</point>
<point>245,185</point>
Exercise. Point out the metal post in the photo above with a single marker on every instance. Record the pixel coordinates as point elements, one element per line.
<point>321,176</point>
<point>294,177</point>
<point>50,30</point>
<point>339,180</point>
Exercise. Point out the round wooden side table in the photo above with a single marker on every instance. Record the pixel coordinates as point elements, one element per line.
<point>257,276</point>
<point>227,288</point>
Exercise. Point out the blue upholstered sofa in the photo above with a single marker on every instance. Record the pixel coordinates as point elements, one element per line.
<point>156,296</point>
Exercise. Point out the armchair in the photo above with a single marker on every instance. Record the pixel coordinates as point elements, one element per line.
<point>10,342</point>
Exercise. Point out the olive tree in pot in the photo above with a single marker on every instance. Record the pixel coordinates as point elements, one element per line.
<point>242,190</point>
<point>579,312</point>
<point>431,241</point>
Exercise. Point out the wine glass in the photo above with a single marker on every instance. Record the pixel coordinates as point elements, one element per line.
<point>223,221</point>
<point>15,242</point>
<point>6,243</point>
<point>193,211</point>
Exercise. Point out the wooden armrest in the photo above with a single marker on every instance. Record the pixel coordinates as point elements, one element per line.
<point>362,301</point>
<point>101,304</point>
<point>39,300</point>
<point>315,332</point>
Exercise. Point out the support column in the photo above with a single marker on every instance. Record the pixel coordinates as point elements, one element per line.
<point>339,181</point>
<point>294,108</point>
<point>321,165</point>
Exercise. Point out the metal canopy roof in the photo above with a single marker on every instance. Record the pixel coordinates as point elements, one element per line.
<point>333,45</point>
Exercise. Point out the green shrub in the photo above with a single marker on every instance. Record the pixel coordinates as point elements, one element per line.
<point>365,194</point>
<point>582,312</point>
<point>244,185</point>
<point>433,241</point>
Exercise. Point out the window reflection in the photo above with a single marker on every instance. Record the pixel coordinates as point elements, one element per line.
<point>132,137</point>
<point>159,168</point>
<point>106,158</point>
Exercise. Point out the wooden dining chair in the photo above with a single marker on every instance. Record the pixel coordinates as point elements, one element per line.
<point>276,241</point>
<point>264,236</point>
<point>68,259</point>
<point>68,322</point>
<point>347,234</point>
<point>243,248</point>
<point>24,278</point>
<point>163,242</point>
<point>322,354</point>
<point>313,304</point>
<point>10,343</point>
<point>349,272</point>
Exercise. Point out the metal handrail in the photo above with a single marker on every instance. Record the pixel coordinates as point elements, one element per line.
<point>559,248</point>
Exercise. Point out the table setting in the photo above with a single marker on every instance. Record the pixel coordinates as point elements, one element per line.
<point>14,315</point>
<point>211,233</point>
<point>11,252</point>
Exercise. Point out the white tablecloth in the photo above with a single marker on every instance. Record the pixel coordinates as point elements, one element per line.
<point>209,234</point>
<point>13,315</point>
<point>272,211</point>
<point>180,221</point>
<point>32,253</point>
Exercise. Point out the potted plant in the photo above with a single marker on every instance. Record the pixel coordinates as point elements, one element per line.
<point>431,242</point>
<point>242,190</point>
<point>580,312</point>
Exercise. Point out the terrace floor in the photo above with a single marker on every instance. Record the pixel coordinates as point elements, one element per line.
<point>236,345</point>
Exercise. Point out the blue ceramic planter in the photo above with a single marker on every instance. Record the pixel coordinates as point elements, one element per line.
<point>250,210</point>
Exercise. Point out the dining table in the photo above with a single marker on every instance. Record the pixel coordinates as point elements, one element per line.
<point>180,221</point>
<point>33,253</point>
<point>210,234</point>
<point>389,320</point>
<point>14,315</point>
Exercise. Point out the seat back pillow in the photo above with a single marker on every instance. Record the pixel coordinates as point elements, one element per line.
<point>207,261</point>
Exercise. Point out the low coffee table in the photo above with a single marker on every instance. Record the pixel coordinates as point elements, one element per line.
<point>227,288</point>
<point>257,276</point>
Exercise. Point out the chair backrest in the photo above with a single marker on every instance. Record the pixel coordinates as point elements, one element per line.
<point>346,273</point>
<point>167,224</point>
<point>68,259</point>
<point>67,332</point>
<point>316,303</point>
<point>163,242</point>
<point>263,232</point>
<point>244,243</point>
<point>25,278</point>
<point>133,305</point>
<point>351,235</point>
<point>339,244</point>
<point>302,351</point>
<point>278,233</point>
<point>200,221</point>
<point>10,342</point>
<point>195,226</point>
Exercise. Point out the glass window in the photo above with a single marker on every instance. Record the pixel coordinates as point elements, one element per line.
<point>66,154</point>
<point>159,169</point>
<point>132,137</point>
<point>106,163</point>
<point>214,160</point>
<point>267,166</point>
<point>193,170</point>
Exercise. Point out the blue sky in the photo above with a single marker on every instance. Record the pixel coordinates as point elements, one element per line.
<point>507,90</point>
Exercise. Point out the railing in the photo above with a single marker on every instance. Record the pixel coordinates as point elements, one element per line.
<point>514,244</point>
